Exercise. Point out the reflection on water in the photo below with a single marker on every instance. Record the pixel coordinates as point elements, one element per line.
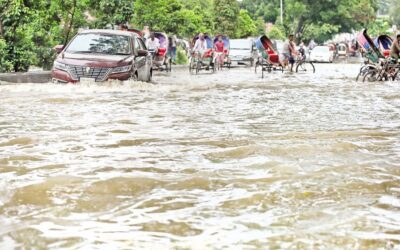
<point>211,161</point>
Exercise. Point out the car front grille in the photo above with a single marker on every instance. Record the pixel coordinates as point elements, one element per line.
<point>77,72</point>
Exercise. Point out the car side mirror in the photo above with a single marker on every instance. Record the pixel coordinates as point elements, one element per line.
<point>142,52</point>
<point>58,49</point>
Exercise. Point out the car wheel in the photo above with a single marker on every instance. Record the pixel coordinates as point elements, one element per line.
<point>150,75</point>
<point>134,76</point>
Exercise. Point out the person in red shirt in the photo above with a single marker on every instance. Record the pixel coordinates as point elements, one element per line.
<point>219,48</point>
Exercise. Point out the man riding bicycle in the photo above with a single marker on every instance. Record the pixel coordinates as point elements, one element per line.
<point>289,51</point>
<point>153,44</point>
<point>395,49</point>
<point>201,45</point>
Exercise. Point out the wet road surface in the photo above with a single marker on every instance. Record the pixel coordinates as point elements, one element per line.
<point>223,161</point>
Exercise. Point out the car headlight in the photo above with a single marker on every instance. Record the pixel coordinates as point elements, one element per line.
<point>122,69</point>
<point>60,66</point>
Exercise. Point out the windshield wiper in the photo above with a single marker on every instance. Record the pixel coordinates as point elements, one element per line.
<point>121,54</point>
<point>83,52</point>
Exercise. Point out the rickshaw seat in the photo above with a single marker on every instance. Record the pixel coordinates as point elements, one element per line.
<point>274,58</point>
<point>386,53</point>
<point>162,51</point>
<point>207,54</point>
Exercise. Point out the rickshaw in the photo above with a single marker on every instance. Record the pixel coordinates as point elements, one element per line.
<point>268,60</point>
<point>342,50</point>
<point>384,43</point>
<point>137,31</point>
<point>226,60</point>
<point>161,59</point>
<point>370,52</point>
<point>205,61</point>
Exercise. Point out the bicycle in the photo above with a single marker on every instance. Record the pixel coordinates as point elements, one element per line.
<point>303,65</point>
<point>385,70</point>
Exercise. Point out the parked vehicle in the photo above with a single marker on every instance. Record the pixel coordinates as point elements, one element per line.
<point>223,59</point>
<point>268,60</point>
<point>322,54</point>
<point>342,50</point>
<point>243,51</point>
<point>102,55</point>
<point>374,59</point>
<point>384,43</point>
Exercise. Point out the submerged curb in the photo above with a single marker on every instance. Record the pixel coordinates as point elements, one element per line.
<point>42,76</point>
<point>26,77</point>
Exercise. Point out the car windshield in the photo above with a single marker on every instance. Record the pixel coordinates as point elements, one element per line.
<point>240,45</point>
<point>321,49</point>
<point>100,44</point>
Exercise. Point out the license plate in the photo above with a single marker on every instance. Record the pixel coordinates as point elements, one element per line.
<point>85,79</point>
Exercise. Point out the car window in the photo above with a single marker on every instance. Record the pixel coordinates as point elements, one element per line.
<point>240,45</point>
<point>322,49</point>
<point>101,44</point>
<point>137,45</point>
<point>141,44</point>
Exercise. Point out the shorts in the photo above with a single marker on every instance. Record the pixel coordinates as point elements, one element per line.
<point>286,56</point>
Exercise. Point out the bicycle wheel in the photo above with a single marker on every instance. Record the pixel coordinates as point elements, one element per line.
<point>256,67</point>
<point>371,76</point>
<point>305,67</point>
<point>198,67</point>
<point>262,72</point>
<point>214,67</point>
<point>169,65</point>
<point>192,66</point>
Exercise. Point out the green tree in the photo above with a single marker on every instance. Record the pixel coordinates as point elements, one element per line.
<point>276,33</point>
<point>198,17</point>
<point>379,27</point>
<point>226,14</point>
<point>394,12</point>
<point>5,63</point>
<point>246,26</point>
<point>111,12</point>
<point>161,15</point>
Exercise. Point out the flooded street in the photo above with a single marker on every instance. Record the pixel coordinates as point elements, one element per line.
<point>223,161</point>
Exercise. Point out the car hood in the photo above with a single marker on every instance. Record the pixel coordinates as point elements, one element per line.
<point>95,60</point>
<point>239,53</point>
<point>317,54</point>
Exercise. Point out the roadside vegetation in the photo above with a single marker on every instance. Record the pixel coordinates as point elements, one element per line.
<point>30,28</point>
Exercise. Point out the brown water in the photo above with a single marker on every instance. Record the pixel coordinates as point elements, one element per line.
<point>224,161</point>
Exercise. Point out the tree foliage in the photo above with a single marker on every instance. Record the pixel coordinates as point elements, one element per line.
<point>30,28</point>
<point>226,14</point>
<point>315,19</point>
<point>246,26</point>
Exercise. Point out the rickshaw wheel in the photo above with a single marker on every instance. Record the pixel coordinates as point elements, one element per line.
<point>192,66</point>
<point>169,65</point>
<point>257,65</point>
<point>198,67</point>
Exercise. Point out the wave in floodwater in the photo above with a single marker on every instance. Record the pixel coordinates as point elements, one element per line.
<point>208,161</point>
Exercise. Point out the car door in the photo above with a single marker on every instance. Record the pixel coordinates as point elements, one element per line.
<point>148,62</point>
<point>140,60</point>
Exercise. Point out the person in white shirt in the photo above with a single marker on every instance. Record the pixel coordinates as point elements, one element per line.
<point>201,44</point>
<point>153,44</point>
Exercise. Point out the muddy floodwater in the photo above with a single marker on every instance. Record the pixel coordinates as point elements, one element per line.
<point>223,161</point>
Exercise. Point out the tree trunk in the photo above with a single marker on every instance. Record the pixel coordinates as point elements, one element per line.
<point>71,22</point>
<point>1,28</point>
<point>299,29</point>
